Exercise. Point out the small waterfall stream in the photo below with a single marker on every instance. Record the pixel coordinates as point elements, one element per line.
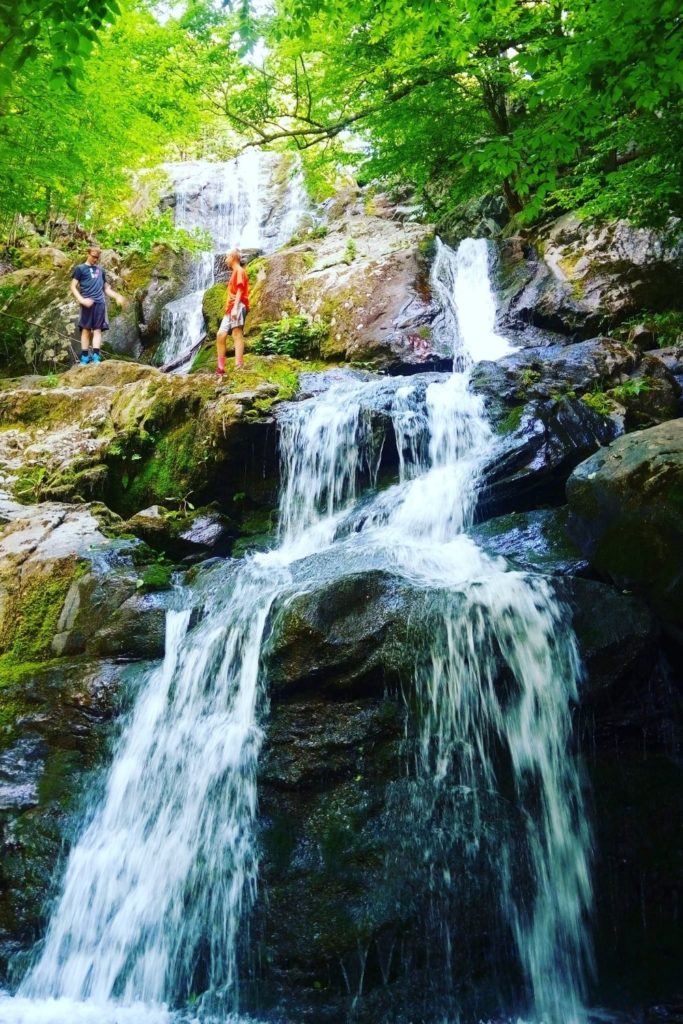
<point>235,203</point>
<point>158,888</point>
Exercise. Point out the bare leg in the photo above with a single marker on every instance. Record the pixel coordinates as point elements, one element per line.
<point>238,338</point>
<point>96,340</point>
<point>85,341</point>
<point>220,352</point>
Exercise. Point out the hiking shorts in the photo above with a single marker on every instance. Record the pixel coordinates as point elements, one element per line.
<point>94,318</point>
<point>229,322</point>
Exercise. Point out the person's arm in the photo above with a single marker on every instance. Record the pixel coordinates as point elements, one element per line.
<point>76,292</point>
<point>109,291</point>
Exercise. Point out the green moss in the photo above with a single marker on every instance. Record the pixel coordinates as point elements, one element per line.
<point>36,607</point>
<point>167,471</point>
<point>156,577</point>
<point>213,307</point>
<point>511,422</point>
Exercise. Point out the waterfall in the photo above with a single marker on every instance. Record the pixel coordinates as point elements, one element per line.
<point>233,202</point>
<point>159,885</point>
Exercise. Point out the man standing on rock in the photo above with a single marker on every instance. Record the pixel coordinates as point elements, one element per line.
<point>89,287</point>
<point>236,309</point>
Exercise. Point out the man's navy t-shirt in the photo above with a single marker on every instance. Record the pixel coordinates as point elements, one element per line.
<point>91,281</point>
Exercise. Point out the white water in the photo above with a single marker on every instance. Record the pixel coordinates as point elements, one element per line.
<point>234,203</point>
<point>165,872</point>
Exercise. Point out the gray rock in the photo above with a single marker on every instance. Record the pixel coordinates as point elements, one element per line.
<point>546,440</point>
<point>554,370</point>
<point>587,273</point>
<point>626,515</point>
<point>536,541</point>
<point>136,630</point>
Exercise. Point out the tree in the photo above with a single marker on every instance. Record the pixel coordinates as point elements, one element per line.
<point>544,101</point>
<point>70,27</point>
<point>67,149</point>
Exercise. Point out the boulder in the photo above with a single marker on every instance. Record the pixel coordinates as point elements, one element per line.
<point>366,280</point>
<point>535,541</point>
<point>651,395</point>
<point>578,274</point>
<point>555,370</point>
<point>347,636</point>
<point>482,217</point>
<point>170,278</point>
<point>626,505</point>
<point>540,444</point>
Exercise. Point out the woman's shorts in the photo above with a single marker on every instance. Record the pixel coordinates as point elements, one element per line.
<point>94,318</point>
<point>229,322</point>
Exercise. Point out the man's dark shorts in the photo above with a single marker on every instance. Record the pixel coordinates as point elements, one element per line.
<point>94,318</point>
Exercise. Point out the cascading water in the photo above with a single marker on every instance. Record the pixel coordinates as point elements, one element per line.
<point>159,885</point>
<point>233,203</point>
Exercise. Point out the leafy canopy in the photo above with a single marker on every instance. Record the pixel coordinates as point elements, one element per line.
<point>556,104</point>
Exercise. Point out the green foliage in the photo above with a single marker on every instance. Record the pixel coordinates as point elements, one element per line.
<point>350,251</point>
<point>631,388</point>
<point>554,105</point>
<point>67,148</point>
<point>137,235</point>
<point>667,328</point>
<point>599,402</point>
<point>70,25</point>
<point>294,336</point>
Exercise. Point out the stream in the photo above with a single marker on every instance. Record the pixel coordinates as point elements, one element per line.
<point>158,889</point>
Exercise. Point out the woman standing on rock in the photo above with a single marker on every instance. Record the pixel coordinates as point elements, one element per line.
<point>236,309</point>
<point>89,287</point>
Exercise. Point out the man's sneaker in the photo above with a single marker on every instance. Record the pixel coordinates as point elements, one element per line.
<point>85,359</point>
<point>96,357</point>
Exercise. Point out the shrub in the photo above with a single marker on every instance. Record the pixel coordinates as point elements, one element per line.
<point>294,336</point>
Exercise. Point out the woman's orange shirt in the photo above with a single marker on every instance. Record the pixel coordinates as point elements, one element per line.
<point>239,282</point>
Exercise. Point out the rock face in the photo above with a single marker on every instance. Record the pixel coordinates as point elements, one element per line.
<point>39,293</point>
<point>545,440</point>
<point>576,276</point>
<point>366,280</point>
<point>131,436</point>
<point>626,507</point>
<point>70,598</point>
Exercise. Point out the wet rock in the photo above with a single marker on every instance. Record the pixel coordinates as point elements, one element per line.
<point>651,395</point>
<point>555,370</point>
<point>347,636</point>
<point>58,734</point>
<point>542,443</point>
<point>619,640</point>
<point>579,273</point>
<point>536,541</point>
<point>170,279</point>
<point>483,217</point>
<point>136,630</point>
<point>625,504</point>
<point>367,280</point>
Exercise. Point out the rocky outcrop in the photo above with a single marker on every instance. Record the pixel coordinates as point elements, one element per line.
<point>576,277</point>
<point>132,436</point>
<point>540,443</point>
<point>554,370</point>
<point>366,281</point>
<point>627,515</point>
<point>536,541</point>
<point>37,296</point>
